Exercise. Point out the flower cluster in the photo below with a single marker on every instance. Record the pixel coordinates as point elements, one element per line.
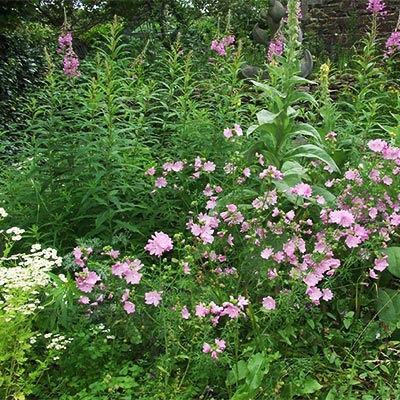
<point>216,349</point>
<point>275,48</point>
<point>376,7</point>
<point>233,309</point>
<point>236,131</point>
<point>220,47</point>
<point>71,61</point>
<point>116,281</point>
<point>392,44</point>
<point>22,276</point>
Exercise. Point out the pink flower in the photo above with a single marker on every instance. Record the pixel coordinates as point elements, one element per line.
<point>159,243</point>
<point>84,300</point>
<point>125,295</point>
<point>314,294</point>
<point>151,171</point>
<point>201,310</point>
<point>219,347</point>
<point>231,310</point>
<point>376,7</point>
<point>380,264</point>
<point>228,133</point>
<point>86,280</point>
<point>209,166</point>
<point>327,294</point>
<point>372,274</point>
<point>377,145</point>
<point>238,130</point>
<point>331,135</point>
<point>341,217</point>
<point>71,62</point>
<point>267,253</point>
<point>129,307</point>
<point>185,313</point>
<point>302,189</point>
<point>269,303</point>
<point>352,241</point>
<point>392,44</point>
<point>206,348</point>
<point>153,298</point>
<point>275,48</point>
<point>161,182</point>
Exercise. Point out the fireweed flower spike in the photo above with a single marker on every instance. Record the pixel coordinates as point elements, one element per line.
<point>376,7</point>
<point>71,61</point>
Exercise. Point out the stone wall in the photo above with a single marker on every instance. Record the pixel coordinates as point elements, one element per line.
<point>336,25</point>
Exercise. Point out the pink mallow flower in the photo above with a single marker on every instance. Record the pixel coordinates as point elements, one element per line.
<point>269,303</point>
<point>218,348</point>
<point>86,280</point>
<point>380,264</point>
<point>129,307</point>
<point>341,217</point>
<point>159,243</point>
<point>153,298</point>
<point>302,189</point>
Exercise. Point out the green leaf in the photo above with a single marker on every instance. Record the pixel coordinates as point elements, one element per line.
<point>388,305</point>
<point>393,254</point>
<point>348,319</point>
<point>309,386</point>
<point>312,151</point>
<point>270,90</point>
<point>307,130</point>
<point>256,367</point>
<point>266,117</point>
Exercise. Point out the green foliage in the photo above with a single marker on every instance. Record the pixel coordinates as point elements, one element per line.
<point>239,316</point>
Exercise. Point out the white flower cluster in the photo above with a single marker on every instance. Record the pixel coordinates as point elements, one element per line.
<point>57,342</point>
<point>3,212</point>
<point>30,271</point>
<point>16,233</point>
<point>21,275</point>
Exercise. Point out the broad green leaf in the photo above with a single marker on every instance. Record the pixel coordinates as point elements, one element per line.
<point>388,305</point>
<point>393,254</point>
<point>307,130</point>
<point>266,117</point>
<point>312,151</point>
<point>302,96</point>
<point>309,386</point>
<point>270,90</point>
<point>326,194</point>
<point>293,168</point>
<point>256,368</point>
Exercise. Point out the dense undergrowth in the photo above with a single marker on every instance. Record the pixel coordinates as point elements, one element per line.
<point>216,238</point>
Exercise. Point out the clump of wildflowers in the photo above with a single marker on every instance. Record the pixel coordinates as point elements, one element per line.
<point>216,349</point>
<point>376,7</point>
<point>71,61</point>
<point>392,44</point>
<point>220,47</point>
<point>275,48</point>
